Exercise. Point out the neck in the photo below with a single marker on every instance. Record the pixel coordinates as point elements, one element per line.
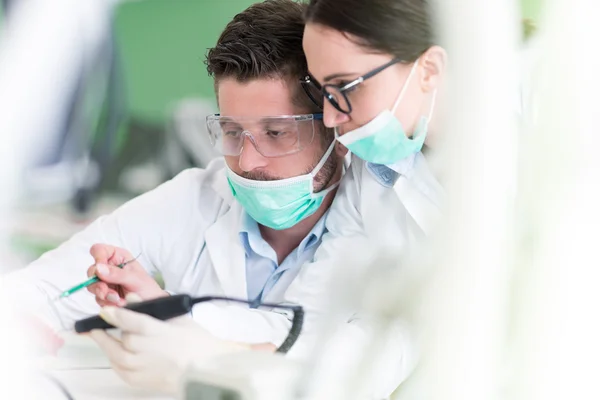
<point>286,240</point>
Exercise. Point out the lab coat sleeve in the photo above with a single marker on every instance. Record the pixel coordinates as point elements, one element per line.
<point>59,269</point>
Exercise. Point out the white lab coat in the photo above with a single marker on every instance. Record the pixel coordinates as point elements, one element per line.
<point>187,229</point>
<point>400,217</point>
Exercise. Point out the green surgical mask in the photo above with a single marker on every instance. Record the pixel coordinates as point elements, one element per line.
<point>383,140</point>
<point>280,204</point>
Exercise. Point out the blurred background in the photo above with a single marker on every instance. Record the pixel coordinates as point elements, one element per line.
<point>148,120</point>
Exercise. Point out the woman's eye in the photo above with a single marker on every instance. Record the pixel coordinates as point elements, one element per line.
<point>350,89</point>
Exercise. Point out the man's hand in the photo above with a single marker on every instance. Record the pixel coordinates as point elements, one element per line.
<point>116,283</point>
<point>155,354</point>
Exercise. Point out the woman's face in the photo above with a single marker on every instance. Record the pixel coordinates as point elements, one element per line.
<point>333,58</point>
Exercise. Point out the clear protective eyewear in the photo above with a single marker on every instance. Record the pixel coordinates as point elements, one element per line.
<point>271,136</point>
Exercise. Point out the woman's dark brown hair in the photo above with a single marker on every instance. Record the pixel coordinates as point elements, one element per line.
<point>398,27</point>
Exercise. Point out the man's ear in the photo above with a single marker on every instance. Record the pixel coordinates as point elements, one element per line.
<point>432,65</point>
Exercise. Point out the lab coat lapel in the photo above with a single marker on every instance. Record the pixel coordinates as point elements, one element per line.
<point>227,253</point>
<point>421,208</point>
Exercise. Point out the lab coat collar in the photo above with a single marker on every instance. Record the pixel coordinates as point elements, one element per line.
<point>223,243</point>
<point>422,202</point>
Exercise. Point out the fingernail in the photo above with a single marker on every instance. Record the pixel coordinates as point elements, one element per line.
<point>133,298</point>
<point>102,269</point>
<point>108,314</point>
<point>113,298</point>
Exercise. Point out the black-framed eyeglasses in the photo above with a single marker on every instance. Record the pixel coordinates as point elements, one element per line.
<point>168,307</point>
<point>338,95</point>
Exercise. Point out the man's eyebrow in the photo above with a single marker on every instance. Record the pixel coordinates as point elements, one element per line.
<point>338,75</point>
<point>228,121</point>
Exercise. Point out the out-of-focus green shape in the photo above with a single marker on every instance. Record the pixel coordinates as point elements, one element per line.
<point>162,45</point>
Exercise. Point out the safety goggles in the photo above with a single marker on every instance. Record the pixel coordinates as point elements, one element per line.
<point>337,95</point>
<point>271,136</point>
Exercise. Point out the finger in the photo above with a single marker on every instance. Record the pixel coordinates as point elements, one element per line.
<point>107,254</point>
<point>91,271</point>
<point>100,290</point>
<point>102,253</point>
<point>114,298</point>
<point>115,275</point>
<point>118,355</point>
<point>132,322</point>
<point>136,343</point>
<point>132,298</point>
<point>104,303</point>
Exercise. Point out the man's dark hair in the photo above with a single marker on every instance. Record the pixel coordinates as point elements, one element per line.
<point>263,41</point>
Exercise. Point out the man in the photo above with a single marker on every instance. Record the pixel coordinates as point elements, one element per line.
<point>241,228</point>
<point>200,230</point>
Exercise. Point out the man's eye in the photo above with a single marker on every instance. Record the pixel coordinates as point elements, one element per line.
<point>232,133</point>
<point>276,134</point>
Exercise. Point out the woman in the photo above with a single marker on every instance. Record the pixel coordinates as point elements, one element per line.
<point>377,68</point>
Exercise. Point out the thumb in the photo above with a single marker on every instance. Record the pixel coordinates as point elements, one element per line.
<point>102,253</point>
<point>115,275</point>
<point>108,254</point>
<point>132,322</point>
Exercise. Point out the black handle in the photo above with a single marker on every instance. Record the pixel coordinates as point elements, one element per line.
<point>162,308</point>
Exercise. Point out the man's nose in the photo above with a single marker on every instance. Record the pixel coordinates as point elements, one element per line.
<point>250,158</point>
<point>333,117</point>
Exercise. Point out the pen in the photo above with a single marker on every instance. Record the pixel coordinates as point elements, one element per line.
<point>90,281</point>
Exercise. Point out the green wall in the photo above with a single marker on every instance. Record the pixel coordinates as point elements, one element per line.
<point>162,45</point>
<point>531,8</point>
<point>163,42</point>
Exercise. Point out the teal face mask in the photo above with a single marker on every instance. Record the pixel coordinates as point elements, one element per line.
<point>383,140</point>
<point>280,204</point>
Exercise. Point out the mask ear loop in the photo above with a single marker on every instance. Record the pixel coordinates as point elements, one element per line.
<point>314,172</point>
<point>424,122</point>
<point>432,106</point>
<point>324,159</point>
<point>401,95</point>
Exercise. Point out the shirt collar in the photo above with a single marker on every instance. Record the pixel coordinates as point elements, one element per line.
<point>404,166</point>
<point>252,239</point>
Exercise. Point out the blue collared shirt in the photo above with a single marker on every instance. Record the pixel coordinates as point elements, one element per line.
<point>262,269</point>
<point>387,175</point>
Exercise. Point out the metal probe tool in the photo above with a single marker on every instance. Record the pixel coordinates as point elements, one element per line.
<point>90,281</point>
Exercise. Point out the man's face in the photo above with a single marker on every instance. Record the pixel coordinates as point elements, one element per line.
<point>260,98</point>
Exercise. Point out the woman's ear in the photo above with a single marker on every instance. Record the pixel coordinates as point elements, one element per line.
<point>432,66</point>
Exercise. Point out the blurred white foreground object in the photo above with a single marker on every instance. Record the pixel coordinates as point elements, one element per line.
<point>253,375</point>
<point>555,340</point>
<point>44,48</point>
